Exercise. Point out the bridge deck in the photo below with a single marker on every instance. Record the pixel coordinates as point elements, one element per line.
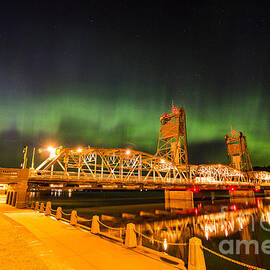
<point>204,176</point>
<point>60,246</point>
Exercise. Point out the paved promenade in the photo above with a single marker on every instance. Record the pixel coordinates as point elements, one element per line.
<point>29,240</point>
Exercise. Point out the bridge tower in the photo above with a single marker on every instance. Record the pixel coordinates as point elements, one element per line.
<point>172,143</point>
<point>237,150</point>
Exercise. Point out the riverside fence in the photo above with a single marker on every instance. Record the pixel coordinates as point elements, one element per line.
<point>132,237</point>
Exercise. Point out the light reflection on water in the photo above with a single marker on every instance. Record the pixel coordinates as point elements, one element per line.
<point>176,222</point>
<point>241,221</point>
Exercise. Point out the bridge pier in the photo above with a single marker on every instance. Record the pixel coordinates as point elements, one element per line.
<point>241,193</point>
<point>240,196</point>
<point>179,199</point>
<point>17,193</point>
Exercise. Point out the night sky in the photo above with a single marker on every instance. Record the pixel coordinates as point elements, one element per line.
<point>100,73</point>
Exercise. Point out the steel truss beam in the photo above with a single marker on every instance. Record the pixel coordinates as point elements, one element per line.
<point>111,165</point>
<point>121,166</point>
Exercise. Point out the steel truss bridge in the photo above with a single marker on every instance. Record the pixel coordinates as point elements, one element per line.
<point>125,168</point>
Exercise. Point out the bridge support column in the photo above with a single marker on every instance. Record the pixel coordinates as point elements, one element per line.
<point>195,255</point>
<point>179,199</point>
<point>21,188</point>
<point>239,196</point>
<point>241,193</point>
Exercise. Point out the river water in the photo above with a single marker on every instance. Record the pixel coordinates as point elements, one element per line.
<point>213,218</point>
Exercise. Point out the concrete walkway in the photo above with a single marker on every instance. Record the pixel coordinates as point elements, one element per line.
<point>30,240</point>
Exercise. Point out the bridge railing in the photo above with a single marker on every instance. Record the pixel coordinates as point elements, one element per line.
<point>109,179</point>
<point>202,174</point>
<point>101,177</point>
<point>9,173</point>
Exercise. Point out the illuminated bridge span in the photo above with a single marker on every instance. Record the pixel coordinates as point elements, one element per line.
<point>121,167</point>
<point>169,168</point>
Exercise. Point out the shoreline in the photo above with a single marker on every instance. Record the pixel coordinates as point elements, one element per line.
<point>41,242</point>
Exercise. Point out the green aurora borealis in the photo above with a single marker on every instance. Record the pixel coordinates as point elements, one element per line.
<point>73,82</point>
<point>71,120</point>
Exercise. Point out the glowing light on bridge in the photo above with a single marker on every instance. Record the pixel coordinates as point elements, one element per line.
<point>79,150</point>
<point>3,186</point>
<point>52,151</point>
<point>128,152</point>
<point>195,189</point>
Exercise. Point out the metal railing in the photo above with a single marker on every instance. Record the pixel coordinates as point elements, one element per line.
<point>120,234</point>
<point>82,222</point>
<point>9,173</point>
